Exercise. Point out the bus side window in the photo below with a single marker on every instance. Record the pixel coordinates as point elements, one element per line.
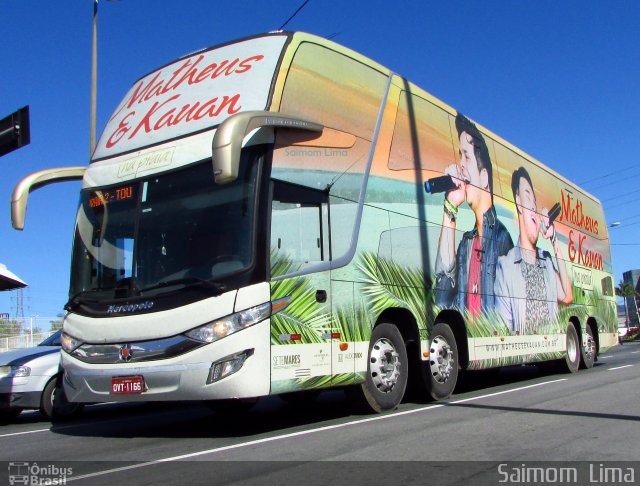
<point>299,224</point>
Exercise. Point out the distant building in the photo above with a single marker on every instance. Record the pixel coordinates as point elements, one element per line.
<point>621,315</point>
<point>633,277</point>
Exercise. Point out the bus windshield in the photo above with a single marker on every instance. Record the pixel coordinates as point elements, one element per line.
<point>159,234</point>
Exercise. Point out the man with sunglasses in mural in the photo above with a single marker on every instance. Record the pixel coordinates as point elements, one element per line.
<point>528,285</point>
<point>465,278</point>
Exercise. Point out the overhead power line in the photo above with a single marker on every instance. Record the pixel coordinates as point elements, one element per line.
<point>617,181</point>
<point>619,196</point>
<point>623,203</point>
<point>609,174</point>
<point>294,14</point>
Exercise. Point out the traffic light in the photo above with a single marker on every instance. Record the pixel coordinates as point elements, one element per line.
<point>14,131</point>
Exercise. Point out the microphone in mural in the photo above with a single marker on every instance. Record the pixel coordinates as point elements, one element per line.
<point>443,183</point>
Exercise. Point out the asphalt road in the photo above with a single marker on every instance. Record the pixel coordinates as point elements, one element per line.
<point>517,416</point>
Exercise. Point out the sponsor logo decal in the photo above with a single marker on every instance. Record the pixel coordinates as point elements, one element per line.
<point>125,353</point>
<point>287,361</point>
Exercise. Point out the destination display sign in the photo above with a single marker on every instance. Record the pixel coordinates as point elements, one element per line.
<point>193,94</point>
<point>101,198</point>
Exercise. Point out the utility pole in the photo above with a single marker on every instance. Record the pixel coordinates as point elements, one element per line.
<point>19,305</point>
<point>94,79</point>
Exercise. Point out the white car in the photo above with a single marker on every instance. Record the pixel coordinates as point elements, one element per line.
<point>29,380</point>
<point>622,332</point>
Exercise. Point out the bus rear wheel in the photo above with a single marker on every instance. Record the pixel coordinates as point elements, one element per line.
<point>387,371</point>
<point>571,362</point>
<point>588,349</point>
<point>442,368</point>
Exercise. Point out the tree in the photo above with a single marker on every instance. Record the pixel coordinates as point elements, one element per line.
<point>56,323</point>
<point>624,290</point>
<point>10,327</point>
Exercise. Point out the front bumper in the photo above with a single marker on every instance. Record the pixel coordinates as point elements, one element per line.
<point>183,377</point>
<point>22,392</point>
<point>11,401</point>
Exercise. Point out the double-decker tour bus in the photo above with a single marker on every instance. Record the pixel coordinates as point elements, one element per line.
<point>280,214</point>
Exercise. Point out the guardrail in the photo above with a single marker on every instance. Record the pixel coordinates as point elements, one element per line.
<point>8,343</point>
<point>24,333</point>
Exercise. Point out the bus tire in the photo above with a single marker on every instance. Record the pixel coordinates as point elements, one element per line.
<point>571,362</point>
<point>387,372</point>
<point>442,368</point>
<point>588,349</point>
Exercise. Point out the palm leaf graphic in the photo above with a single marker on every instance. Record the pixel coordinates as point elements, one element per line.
<point>388,284</point>
<point>303,315</point>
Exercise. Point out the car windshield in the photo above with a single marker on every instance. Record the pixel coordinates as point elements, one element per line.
<point>163,233</point>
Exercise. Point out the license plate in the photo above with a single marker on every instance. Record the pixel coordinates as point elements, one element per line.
<point>121,385</point>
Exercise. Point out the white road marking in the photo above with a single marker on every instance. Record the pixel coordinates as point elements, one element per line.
<point>306,432</point>
<point>24,433</point>
<point>81,424</point>
<point>619,367</point>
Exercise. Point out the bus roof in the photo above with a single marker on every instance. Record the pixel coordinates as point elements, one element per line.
<point>170,96</point>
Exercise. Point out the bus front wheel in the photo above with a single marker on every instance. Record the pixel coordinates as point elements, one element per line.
<point>442,368</point>
<point>387,370</point>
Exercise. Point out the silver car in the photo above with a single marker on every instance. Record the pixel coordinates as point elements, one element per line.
<point>29,380</point>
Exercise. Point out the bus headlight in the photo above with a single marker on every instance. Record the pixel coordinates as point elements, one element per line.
<point>69,343</point>
<point>228,325</point>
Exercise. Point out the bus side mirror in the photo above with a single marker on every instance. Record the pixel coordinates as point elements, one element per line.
<point>35,181</point>
<point>228,139</point>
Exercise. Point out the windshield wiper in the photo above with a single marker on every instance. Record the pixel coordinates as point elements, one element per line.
<point>217,287</point>
<point>75,299</point>
<point>126,287</point>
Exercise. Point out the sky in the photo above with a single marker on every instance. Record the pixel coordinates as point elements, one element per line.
<point>558,79</point>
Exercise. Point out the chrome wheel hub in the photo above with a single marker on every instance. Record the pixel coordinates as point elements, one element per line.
<point>572,348</point>
<point>441,360</point>
<point>384,365</point>
<point>589,347</point>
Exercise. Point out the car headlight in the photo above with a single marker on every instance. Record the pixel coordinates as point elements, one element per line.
<point>14,371</point>
<point>69,343</point>
<point>228,325</point>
